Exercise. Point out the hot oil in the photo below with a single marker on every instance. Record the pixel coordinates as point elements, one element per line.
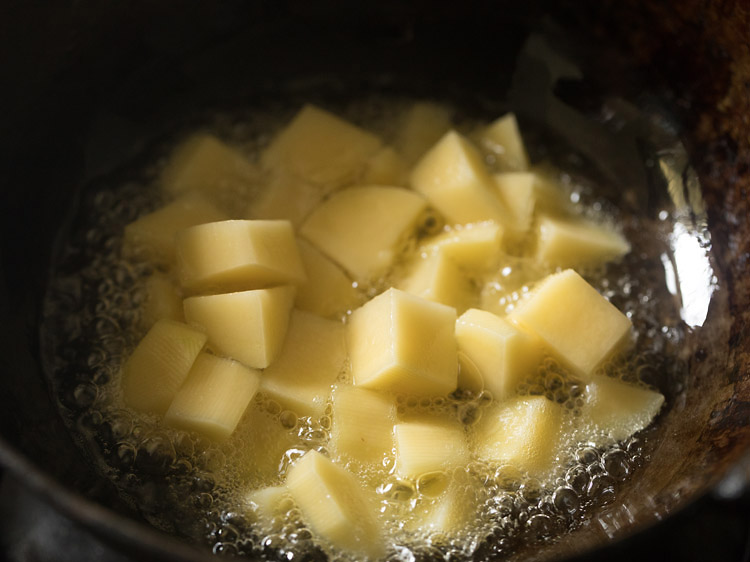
<point>196,489</point>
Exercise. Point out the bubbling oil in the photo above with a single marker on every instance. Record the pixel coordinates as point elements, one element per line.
<point>197,489</point>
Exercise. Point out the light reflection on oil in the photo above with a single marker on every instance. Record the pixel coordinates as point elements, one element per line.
<point>688,270</point>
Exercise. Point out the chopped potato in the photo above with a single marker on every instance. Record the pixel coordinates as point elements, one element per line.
<point>474,247</point>
<point>363,422</point>
<point>616,409</point>
<point>428,445</point>
<point>269,502</point>
<point>360,227</point>
<point>249,326</point>
<point>445,516</point>
<point>402,343</point>
<point>213,397</point>
<point>503,139</point>
<point>518,192</point>
<point>438,278</point>
<point>569,243</point>
<point>503,354</point>
<point>238,255</point>
<point>312,358</point>
<point>456,182</point>
<point>156,369</point>
<point>335,504</point>
<point>577,324</point>
<point>319,147</point>
<point>522,432</point>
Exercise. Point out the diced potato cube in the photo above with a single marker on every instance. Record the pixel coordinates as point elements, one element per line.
<point>503,139</point>
<point>386,167</point>
<point>159,364</point>
<point>269,502</point>
<point>213,397</point>
<point>238,255</point>
<point>402,343</point>
<point>322,148</point>
<point>152,236</point>
<point>362,423</point>
<point>429,446</point>
<point>578,324</point>
<point>204,163</point>
<point>437,278</point>
<point>518,192</point>
<point>568,243</point>
<point>335,505</point>
<point>313,356</point>
<point>503,354</point>
<point>162,300</point>
<point>286,197</point>
<point>444,518</point>
<point>475,247</point>
<point>421,127</point>
<point>454,180</point>
<point>262,444</point>
<point>249,326</point>
<point>523,432</point>
<point>617,410</point>
<point>328,291</point>
<point>360,227</point>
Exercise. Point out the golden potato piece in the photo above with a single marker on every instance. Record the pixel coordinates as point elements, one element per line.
<point>249,326</point>
<point>445,517</point>
<point>519,193</point>
<point>312,358</point>
<point>238,255</point>
<point>523,432</point>
<point>154,372</point>
<point>213,397</point>
<point>503,139</point>
<point>335,505</point>
<point>429,445</point>
<point>363,422</point>
<point>401,343</point>
<point>455,181</point>
<point>503,354</point>
<point>321,148</point>
<point>474,247</point>
<point>575,322</point>
<point>570,242</point>
<point>437,278</point>
<point>616,409</point>
<point>269,502</point>
<point>360,228</point>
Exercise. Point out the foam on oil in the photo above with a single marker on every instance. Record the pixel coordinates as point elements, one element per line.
<point>197,489</point>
